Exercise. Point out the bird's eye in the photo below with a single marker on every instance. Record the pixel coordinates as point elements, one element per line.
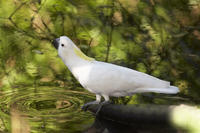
<point>62,45</point>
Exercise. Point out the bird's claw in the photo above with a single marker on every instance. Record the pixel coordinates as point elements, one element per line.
<point>85,106</point>
<point>101,105</point>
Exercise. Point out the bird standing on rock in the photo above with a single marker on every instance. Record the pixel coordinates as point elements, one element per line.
<point>106,79</point>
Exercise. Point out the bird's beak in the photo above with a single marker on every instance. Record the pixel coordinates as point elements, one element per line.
<point>56,42</point>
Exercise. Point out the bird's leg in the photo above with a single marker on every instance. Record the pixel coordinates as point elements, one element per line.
<point>103,103</point>
<point>85,106</point>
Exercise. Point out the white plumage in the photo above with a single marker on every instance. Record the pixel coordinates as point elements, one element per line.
<point>105,79</point>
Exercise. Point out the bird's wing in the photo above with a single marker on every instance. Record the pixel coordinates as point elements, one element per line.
<point>111,78</point>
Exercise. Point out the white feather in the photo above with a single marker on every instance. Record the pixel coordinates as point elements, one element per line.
<point>107,79</point>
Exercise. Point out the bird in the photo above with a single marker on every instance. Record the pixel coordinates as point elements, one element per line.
<point>105,79</point>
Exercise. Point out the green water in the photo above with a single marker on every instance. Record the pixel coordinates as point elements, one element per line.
<point>44,109</point>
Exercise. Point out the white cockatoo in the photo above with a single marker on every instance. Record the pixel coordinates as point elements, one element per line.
<point>106,79</point>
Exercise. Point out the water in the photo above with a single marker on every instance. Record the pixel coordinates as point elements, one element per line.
<point>44,109</point>
<point>56,110</point>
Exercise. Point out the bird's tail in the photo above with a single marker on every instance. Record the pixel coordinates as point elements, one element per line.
<point>174,89</point>
<point>169,90</point>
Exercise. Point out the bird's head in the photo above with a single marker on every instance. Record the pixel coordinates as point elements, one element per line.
<point>63,44</point>
<point>66,47</point>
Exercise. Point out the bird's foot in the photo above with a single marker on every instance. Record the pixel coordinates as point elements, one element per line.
<point>85,106</point>
<point>101,105</point>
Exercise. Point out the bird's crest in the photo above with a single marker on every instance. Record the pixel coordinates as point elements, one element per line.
<point>82,55</point>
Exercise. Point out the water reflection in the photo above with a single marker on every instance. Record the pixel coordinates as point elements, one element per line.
<point>19,122</point>
<point>44,109</point>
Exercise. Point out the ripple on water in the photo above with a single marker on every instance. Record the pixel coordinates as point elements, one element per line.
<point>48,107</point>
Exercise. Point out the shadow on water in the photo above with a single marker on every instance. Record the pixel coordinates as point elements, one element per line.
<point>117,118</point>
<point>102,125</point>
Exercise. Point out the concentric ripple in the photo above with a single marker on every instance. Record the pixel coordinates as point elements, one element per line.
<point>47,108</point>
